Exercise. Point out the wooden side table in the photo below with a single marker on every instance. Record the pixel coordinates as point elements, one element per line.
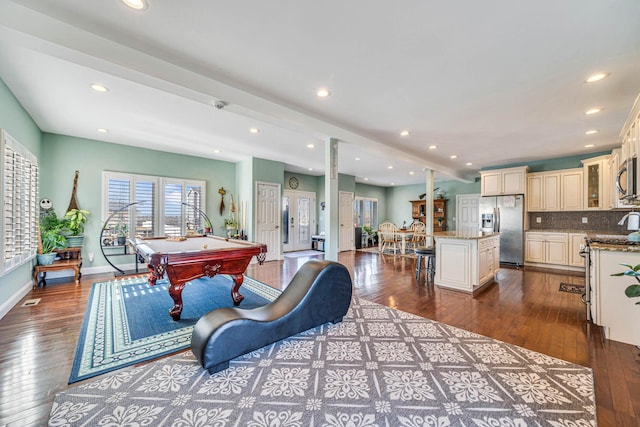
<point>70,259</point>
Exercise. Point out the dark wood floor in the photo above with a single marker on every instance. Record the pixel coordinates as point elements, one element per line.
<point>525,308</point>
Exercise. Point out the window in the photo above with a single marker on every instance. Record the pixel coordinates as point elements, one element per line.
<point>153,206</point>
<point>19,182</point>
<point>365,212</point>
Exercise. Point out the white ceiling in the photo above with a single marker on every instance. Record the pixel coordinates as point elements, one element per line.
<point>493,82</point>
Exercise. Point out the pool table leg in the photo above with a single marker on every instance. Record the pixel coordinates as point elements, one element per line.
<point>175,291</point>
<point>235,291</point>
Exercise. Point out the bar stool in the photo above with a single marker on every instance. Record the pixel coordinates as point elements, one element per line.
<point>429,253</point>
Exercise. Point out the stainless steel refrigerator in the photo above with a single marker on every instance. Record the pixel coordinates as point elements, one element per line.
<point>505,214</point>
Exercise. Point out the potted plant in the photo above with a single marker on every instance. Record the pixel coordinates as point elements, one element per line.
<point>632,291</point>
<point>51,239</point>
<point>207,226</point>
<point>121,229</point>
<point>74,221</point>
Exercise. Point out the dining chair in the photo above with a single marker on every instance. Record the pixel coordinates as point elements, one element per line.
<point>419,233</point>
<point>387,235</point>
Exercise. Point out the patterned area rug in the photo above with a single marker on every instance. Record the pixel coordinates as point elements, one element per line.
<point>304,254</point>
<point>571,288</point>
<point>127,321</point>
<point>379,367</point>
<point>374,250</point>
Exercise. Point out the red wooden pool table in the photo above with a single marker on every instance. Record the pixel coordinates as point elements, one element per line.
<point>195,257</point>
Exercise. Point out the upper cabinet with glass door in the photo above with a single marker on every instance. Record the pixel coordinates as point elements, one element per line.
<point>596,183</point>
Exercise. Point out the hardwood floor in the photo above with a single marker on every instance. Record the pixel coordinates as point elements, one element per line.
<point>525,308</point>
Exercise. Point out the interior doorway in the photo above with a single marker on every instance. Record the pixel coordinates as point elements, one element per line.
<point>467,212</point>
<point>268,218</point>
<point>298,220</point>
<point>347,229</point>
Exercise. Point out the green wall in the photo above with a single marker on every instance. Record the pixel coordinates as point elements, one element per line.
<point>65,154</point>
<point>17,123</point>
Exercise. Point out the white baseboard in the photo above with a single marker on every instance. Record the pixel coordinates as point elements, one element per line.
<point>15,299</point>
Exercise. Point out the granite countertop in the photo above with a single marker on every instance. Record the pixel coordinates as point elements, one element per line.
<point>465,234</point>
<point>617,248</point>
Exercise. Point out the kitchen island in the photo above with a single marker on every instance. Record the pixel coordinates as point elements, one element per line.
<point>610,307</point>
<point>466,260</point>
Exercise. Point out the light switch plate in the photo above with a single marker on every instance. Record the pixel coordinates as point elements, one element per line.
<point>585,220</point>
<point>538,219</point>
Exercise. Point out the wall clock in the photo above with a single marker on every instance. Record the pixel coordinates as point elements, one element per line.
<point>293,182</point>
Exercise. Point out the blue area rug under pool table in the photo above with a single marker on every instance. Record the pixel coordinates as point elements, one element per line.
<point>127,321</point>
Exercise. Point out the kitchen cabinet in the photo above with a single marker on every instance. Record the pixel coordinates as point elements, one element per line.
<point>630,135</point>
<point>559,190</point>
<point>543,192</point>
<point>503,181</point>
<point>488,258</point>
<point>610,307</point>
<point>571,190</point>
<point>547,248</point>
<point>576,241</point>
<point>596,183</point>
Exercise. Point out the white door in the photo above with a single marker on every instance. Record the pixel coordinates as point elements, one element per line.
<point>347,229</point>
<point>268,218</point>
<point>468,212</point>
<point>298,208</point>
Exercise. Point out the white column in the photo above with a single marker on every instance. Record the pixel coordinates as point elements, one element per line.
<point>429,206</point>
<point>332,200</point>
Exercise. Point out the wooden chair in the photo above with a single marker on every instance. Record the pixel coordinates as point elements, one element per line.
<point>419,235</point>
<point>387,236</point>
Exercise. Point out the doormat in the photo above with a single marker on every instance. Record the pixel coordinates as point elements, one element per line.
<point>571,288</point>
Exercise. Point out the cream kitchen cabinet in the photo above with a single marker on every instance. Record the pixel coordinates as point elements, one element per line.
<point>576,241</point>
<point>571,190</point>
<point>559,190</point>
<point>503,181</point>
<point>547,248</point>
<point>596,183</point>
<point>610,307</point>
<point>543,192</point>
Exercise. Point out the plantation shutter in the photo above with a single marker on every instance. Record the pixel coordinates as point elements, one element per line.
<point>20,213</point>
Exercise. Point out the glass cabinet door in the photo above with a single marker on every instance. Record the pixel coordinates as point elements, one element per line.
<point>593,185</point>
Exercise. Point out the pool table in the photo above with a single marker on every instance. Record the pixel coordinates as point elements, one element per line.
<point>185,259</point>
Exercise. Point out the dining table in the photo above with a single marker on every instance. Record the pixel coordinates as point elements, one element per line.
<point>403,235</point>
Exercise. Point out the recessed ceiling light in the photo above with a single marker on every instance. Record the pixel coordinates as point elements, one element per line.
<point>323,92</point>
<point>103,130</point>
<point>411,173</point>
<point>136,4</point>
<point>254,130</point>
<point>596,77</point>
<point>366,179</point>
<point>404,133</point>
<point>357,158</point>
<point>390,167</point>
<point>310,169</point>
<point>99,88</point>
<point>468,163</point>
<point>311,146</point>
<point>589,146</point>
<point>453,157</point>
<point>216,151</point>
<point>591,132</point>
<point>393,183</point>
<point>433,147</point>
<point>593,111</point>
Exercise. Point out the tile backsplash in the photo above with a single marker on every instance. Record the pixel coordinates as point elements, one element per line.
<point>604,221</point>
